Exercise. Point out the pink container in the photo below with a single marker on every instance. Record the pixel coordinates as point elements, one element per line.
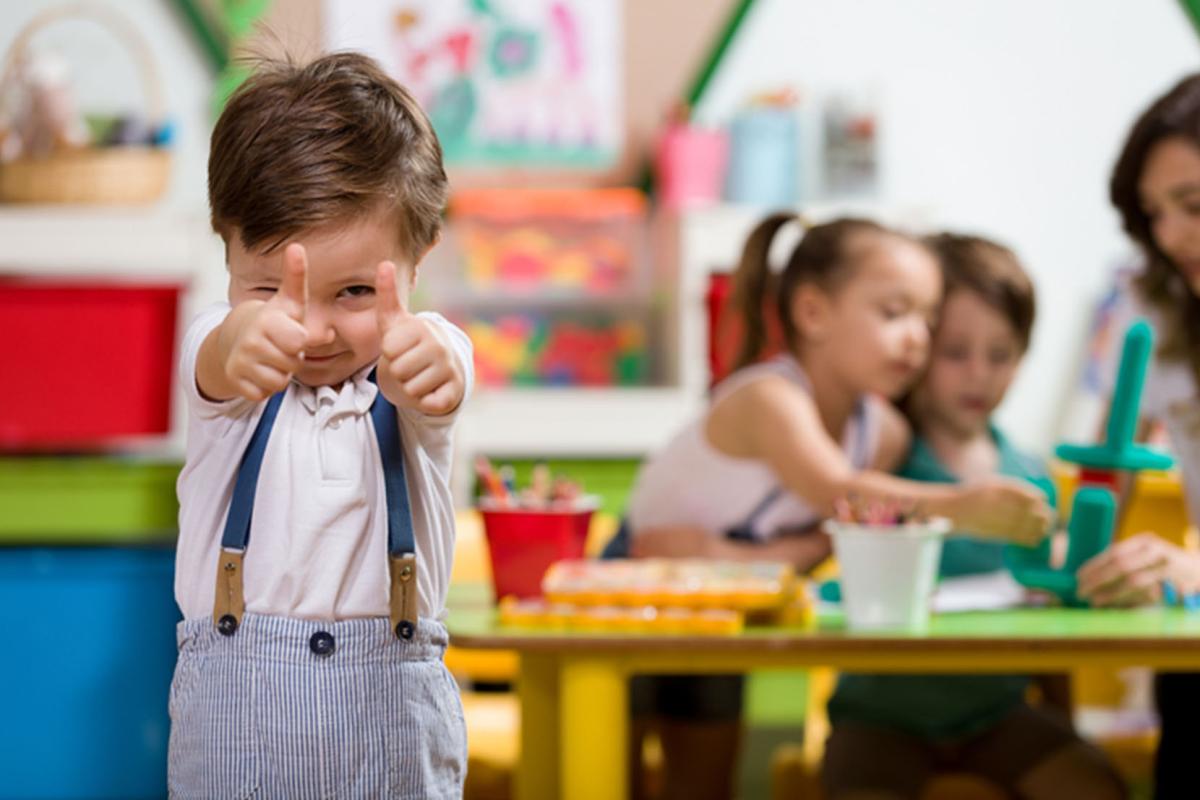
<point>691,166</point>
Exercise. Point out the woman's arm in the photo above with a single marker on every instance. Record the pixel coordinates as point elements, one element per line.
<point>773,421</point>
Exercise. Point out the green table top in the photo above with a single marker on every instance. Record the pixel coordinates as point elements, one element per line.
<point>473,623</point>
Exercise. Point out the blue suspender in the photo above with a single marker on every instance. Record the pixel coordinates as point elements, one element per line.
<point>241,508</point>
<point>401,542</point>
<point>391,455</point>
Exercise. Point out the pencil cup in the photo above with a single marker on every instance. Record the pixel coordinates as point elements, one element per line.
<point>888,572</point>
<point>524,542</point>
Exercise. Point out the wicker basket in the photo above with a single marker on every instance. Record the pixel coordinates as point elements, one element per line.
<point>92,175</point>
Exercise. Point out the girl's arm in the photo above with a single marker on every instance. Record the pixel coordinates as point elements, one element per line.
<point>803,550</point>
<point>895,439</point>
<point>774,421</point>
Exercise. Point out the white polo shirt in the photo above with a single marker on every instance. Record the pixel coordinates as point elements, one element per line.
<point>318,536</point>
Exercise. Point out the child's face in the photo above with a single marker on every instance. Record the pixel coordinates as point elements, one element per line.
<point>343,332</point>
<point>875,330</point>
<point>1170,192</point>
<point>975,354</point>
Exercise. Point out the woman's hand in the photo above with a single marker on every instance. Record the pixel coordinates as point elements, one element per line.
<point>1132,572</point>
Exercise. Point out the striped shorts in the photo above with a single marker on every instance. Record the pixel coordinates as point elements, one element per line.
<point>290,708</point>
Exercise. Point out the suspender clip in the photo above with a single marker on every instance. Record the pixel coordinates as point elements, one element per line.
<point>403,569</point>
<point>230,602</point>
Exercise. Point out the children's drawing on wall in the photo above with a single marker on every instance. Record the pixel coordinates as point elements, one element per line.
<point>506,82</point>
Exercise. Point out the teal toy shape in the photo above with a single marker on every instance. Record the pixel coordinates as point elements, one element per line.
<point>1118,451</point>
<point>1093,512</point>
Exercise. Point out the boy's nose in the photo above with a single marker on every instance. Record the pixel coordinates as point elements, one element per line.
<point>977,367</point>
<point>319,327</point>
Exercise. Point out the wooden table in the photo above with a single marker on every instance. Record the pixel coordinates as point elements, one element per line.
<point>573,686</point>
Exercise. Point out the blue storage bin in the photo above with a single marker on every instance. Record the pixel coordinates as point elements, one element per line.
<point>91,648</point>
<point>764,158</point>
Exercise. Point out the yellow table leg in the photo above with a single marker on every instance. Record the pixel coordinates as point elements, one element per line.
<point>594,728</point>
<point>537,688</point>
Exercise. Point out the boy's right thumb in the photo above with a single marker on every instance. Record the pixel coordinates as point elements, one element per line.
<point>293,291</point>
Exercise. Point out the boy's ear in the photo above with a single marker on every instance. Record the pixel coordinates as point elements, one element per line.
<point>412,277</point>
<point>810,310</point>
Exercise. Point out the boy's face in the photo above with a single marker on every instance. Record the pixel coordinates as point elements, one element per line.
<point>343,331</point>
<point>974,358</point>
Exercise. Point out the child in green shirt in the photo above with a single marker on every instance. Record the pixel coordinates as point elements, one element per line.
<point>892,733</point>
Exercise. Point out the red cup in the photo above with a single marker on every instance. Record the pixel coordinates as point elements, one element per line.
<point>524,542</point>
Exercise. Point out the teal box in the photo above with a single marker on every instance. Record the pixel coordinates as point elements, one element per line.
<point>764,158</point>
<point>90,639</point>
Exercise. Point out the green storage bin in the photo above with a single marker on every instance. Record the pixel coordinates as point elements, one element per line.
<point>87,500</point>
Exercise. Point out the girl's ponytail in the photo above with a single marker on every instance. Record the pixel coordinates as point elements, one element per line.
<point>751,284</point>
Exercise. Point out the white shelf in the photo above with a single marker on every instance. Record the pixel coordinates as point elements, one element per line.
<point>573,421</point>
<point>72,240</point>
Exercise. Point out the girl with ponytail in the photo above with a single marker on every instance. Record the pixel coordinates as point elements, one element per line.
<point>785,437</point>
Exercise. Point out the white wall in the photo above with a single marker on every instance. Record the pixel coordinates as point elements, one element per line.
<point>1003,118</point>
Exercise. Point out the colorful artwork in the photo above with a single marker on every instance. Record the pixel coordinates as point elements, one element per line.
<point>506,82</point>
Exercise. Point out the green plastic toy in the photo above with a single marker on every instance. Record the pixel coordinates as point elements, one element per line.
<point>1094,510</point>
<point>1118,451</point>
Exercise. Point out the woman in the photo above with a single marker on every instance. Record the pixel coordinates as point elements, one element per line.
<point>1156,189</point>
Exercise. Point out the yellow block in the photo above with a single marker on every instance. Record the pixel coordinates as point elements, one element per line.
<point>1155,503</point>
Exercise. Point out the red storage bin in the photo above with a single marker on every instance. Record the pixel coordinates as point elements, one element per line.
<point>84,361</point>
<point>523,543</point>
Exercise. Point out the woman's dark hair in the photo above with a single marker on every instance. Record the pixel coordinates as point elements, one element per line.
<point>822,257</point>
<point>1174,115</point>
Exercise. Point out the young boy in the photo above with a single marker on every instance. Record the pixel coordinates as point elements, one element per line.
<point>310,655</point>
<point>892,733</point>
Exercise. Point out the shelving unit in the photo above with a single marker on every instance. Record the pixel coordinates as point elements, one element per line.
<point>516,422</point>
<point>125,243</point>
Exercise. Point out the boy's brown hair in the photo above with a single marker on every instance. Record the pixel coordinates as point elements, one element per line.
<point>991,271</point>
<point>302,145</point>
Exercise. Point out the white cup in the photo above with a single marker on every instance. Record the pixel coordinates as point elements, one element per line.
<point>888,572</point>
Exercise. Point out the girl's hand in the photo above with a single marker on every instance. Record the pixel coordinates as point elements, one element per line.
<point>673,543</point>
<point>1002,508</point>
<point>416,362</point>
<point>264,341</point>
<point>1131,572</point>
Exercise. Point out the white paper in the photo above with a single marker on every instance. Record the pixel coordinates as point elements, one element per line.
<point>987,592</point>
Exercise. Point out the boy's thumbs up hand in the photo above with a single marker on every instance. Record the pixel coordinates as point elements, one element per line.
<point>417,367</point>
<point>292,297</point>
<point>268,338</point>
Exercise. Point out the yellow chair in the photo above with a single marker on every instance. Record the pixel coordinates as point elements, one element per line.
<point>493,718</point>
<point>1155,503</point>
